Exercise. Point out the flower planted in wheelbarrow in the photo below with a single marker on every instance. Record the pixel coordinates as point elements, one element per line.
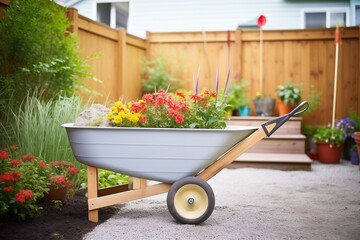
<point>166,110</point>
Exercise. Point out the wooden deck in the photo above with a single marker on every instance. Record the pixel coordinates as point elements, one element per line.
<point>284,150</point>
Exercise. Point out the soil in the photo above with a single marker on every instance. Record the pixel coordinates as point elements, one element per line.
<point>68,222</point>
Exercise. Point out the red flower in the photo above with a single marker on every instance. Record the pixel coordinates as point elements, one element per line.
<point>23,195</point>
<point>180,94</point>
<point>3,155</point>
<point>28,158</point>
<point>148,98</point>
<point>13,147</point>
<point>179,118</point>
<point>10,177</point>
<point>143,118</point>
<point>15,163</point>
<point>8,189</point>
<point>42,164</point>
<point>73,171</point>
<point>261,21</point>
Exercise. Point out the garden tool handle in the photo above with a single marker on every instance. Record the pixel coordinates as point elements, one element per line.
<point>279,121</point>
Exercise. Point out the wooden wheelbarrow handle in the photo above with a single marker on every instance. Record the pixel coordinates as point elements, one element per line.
<point>266,130</point>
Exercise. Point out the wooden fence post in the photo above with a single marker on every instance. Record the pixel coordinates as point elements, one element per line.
<point>238,52</point>
<point>120,85</point>
<point>73,16</point>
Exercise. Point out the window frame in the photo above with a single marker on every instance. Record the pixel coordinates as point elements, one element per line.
<point>328,11</point>
<point>354,15</point>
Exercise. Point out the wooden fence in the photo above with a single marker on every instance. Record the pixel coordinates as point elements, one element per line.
<point>116,58</point>
<point>305,57</point>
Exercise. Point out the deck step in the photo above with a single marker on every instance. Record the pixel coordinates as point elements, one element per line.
<point>292,126</point>
<point>274,161</point>
<point>291,143</point>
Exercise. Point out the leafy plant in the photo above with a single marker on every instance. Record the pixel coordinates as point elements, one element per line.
<point>155,76</point>
<point>356,118</point>
<point>237,97</point>
<point>106,178</point>
<point>289,93</point>
<point>37,51</point>
<point>330,135</point>
<point>25,179</point>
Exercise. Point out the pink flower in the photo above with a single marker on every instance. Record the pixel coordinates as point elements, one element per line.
<point>261,21</point>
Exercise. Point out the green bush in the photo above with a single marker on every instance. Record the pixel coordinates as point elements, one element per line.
<point>37,52</point>
<point>155,76</point>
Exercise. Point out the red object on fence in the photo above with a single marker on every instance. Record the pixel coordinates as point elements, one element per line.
<point>261,21</point>
<point>337,36</point>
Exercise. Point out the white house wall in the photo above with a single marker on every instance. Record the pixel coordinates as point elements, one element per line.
<point>209,15</point>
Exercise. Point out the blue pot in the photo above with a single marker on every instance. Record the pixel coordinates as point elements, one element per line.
<point>244,111</point>
<point>354,157</point>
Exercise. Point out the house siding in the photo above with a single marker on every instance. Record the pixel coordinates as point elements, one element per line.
<point>210,15</point>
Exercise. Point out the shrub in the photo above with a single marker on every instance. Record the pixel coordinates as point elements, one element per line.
<point>25,179</point>
<point>37,52</point>
<point>155,76</point>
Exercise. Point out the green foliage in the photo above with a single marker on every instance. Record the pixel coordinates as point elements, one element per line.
<point>35,125</point>
<point>237,97</point>
<point>37,52</point>
<point>356,118</point>
<point>289,93</point>
<point>106,178</point>
<point>155,76</point>
<point>330,135</point>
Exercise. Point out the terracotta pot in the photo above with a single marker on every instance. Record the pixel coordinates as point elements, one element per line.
<point>328,154</point>
<point>56,194</point>
<point>283,108</point>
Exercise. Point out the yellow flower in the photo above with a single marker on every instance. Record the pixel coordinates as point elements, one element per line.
<point>141,101</point>
<point>130,104</point>
<point>109,116</point>
<point>117,119</point>
<point>122,114</point>
<point>258,94</point>
<point>119,104</point>
<point>114,109</point>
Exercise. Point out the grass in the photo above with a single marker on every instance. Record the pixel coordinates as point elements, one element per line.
<point>35,127</point>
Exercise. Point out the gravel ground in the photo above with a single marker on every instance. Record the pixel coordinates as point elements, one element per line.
<point>255,204</point>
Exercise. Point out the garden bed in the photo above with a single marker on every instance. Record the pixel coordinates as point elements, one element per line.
<point>68,222</point>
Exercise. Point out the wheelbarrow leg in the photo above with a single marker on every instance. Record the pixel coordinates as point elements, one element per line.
<point>92,176</point>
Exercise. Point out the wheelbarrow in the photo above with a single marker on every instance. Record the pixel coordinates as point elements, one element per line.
<point>182,160</point>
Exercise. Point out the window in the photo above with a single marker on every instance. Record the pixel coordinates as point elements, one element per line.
<point>357,15</point>
<point>114,15</point>
<point>314,18</point>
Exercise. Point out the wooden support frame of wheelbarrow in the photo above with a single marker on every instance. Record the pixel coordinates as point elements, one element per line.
<point>138,188</point>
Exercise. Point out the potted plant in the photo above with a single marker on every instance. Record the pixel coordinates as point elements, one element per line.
<point>289,96</point>
<point>354,156</point>
<point>329,142</point>
<point>264,106</point>
<point>238,99</point>
<point>348,126</point>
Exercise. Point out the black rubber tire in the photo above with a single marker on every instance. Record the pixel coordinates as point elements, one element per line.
<point>195,185</point>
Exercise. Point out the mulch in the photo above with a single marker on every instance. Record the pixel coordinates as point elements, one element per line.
<point>70,221</point>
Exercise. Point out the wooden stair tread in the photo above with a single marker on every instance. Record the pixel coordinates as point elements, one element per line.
<point>274,157</point>
<point>286,136</point>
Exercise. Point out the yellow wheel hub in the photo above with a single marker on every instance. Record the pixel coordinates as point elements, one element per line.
<point>191,201</point>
